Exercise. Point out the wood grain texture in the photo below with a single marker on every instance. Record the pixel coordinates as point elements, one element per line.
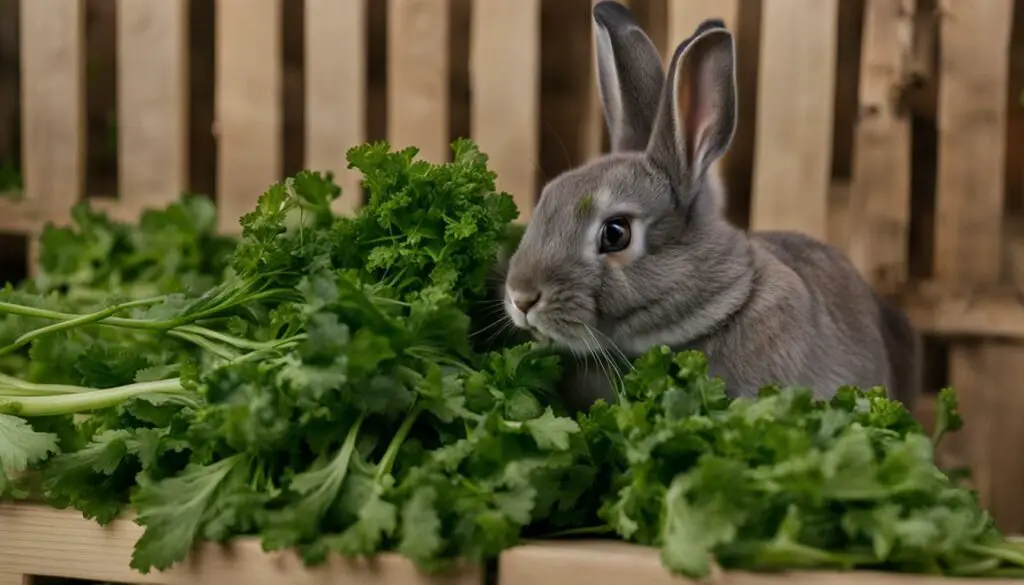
<point>504,71</point>
<point>973,69</point>
<point>683,18</point>
<point>607,562</point>
<point>793,147</point>
<point>594,125</point>
<point>993,312</point>
<point>881,160</point>
<point>418,69</point>
<point>972,112</point>
<point>53,103</point>
<point>152,101</point>
<point>335,74</point>
<point>53,130</point>
<point>248,104</point>
<point>88,551</point>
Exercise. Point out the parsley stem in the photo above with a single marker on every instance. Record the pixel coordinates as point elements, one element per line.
<point>210,346</point>
<point>30,406</point>
<point>583,531</point>
<point>161,325</point>
<point>11,386</point>
<point>238,342</point>
<point>68,321</point>
<point>1003,553</point>
<point>391,453</point>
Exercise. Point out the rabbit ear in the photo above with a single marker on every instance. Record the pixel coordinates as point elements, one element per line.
<point>630,76</point>
<point>697,115</point>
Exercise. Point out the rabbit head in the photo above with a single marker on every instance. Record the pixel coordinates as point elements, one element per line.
<point>632,248</point>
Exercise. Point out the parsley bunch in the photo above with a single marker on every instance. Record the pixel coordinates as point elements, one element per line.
<point>317,384</point>
<point>325,395</point>
<point>784,481</point>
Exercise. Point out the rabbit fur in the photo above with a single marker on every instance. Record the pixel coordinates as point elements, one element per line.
<point>771,307</point>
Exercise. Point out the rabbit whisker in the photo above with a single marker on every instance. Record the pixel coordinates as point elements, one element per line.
<point>621,355</point>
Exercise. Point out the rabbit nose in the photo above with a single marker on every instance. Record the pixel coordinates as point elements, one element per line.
<point>524,301</point>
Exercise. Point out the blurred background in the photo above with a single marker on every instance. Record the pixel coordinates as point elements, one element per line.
<point>891,128</point>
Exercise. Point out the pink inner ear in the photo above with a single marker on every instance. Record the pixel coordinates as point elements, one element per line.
<point>695,100</point>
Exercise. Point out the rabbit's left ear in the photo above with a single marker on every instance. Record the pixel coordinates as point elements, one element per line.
<point>697,116</point>
<point>630,76</point>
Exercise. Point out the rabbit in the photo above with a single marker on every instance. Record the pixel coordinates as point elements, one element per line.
<point>632,250</point>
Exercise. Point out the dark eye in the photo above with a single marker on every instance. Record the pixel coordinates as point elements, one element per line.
<point>615,235</point>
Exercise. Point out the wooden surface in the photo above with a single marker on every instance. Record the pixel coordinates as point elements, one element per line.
<point>40,541</point>
<point>52,108</point>
<point>335,52</point>
<point>152,101</point>
<point>683,17</point>
<point>613,563</point>
<point>972,133</point>
<point>418,71</point>
<point>248,125</point>
<point>793,145</point>
<point>504,75</point>
<point>881,163</point>
<point>965,287</point>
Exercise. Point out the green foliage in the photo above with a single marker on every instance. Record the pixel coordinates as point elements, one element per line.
<point>783,480</point>
<point>316,383</point>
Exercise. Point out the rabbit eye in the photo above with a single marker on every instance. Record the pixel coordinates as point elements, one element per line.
<point>615,235</point>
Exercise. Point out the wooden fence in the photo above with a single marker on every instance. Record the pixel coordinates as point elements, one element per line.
<point>929,208</point>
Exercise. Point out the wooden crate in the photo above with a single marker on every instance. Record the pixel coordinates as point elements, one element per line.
<point>39,541</point>
<point>612,563</point>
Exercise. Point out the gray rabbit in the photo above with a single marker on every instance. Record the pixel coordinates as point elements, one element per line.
<point>632,250</point>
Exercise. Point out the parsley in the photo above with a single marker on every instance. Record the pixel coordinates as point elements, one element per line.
<point>319,383</point>
<point>782,480</point>
<point>322,391</point>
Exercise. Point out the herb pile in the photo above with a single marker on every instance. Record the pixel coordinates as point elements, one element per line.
<point>321,383</point>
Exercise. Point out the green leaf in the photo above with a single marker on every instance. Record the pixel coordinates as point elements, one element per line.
<point>550,432</point>
<point>21,446</point>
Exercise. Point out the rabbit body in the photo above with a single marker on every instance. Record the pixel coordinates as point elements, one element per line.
<point>632,251</point>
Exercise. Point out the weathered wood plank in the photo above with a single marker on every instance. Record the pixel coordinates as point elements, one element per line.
<point>504,73</point>
<point>683,18</point>
<point>972,111</point>
<point>795,96</point>
<point>881,160</point>
<point>91,552</point>
<point>152,101</point>
<point>335,43</point>
<point>53,103</point>
<point>248,104</point>
<point>418,80</point>
<point>53,131</point>
<point>973,68</point>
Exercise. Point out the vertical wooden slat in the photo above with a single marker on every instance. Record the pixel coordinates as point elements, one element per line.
<point>52,110</point>
<point>53,103</point>
<point>248,104</point>
<point>418,80</point>
<point>974,63</point>
<point>683,18</point>
<point>793,146</point>
<point>594,126</point>
<point>335,44</point>
<point>504,73</point>
<point>881,159</point>
<point>972,110</point>
<point>152,101</point>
